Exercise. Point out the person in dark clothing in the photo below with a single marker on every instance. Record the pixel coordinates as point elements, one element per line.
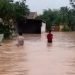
<point>49,37</point>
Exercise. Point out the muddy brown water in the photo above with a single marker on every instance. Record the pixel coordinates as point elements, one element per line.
<point>37,57</point>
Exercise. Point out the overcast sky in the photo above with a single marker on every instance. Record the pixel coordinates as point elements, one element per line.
<point>40,5</point>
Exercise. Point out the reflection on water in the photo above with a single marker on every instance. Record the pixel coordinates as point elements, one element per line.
<point>49,44</point>
<point>37,57</point>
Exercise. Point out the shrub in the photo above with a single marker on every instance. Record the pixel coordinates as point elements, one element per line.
<point>5,29</point>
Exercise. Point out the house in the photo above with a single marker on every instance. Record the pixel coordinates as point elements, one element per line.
<point>32,15</point>
<point>55,28</point>
<point>31,24</point>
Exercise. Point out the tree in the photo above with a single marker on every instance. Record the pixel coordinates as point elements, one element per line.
<point>64,15</point>
<point>21,9</point>
<point>72,2</point>
<point>56,17</point>
<point>12,10</point>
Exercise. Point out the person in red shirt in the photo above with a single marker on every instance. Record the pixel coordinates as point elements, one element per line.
<point>49,37</point>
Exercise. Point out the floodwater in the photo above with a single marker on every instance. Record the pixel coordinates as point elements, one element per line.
<point>37,57</point>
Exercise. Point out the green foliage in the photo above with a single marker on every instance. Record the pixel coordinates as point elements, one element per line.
<point>66,28</point>
<point>5,29</point>
<point>20,9</point>
<point>7,32</point>
<point>63,16</point>
<point>11,10</point>
<point>72,2</point>
<point>1,28</point>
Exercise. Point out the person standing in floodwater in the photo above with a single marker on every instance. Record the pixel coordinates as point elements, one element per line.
<point>49,37</point>
<point>20,40</point>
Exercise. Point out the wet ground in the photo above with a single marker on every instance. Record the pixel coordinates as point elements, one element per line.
<point>37,57</point>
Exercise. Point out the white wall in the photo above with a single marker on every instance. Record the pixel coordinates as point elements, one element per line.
<point>43,27</point>
<point>1,37</point>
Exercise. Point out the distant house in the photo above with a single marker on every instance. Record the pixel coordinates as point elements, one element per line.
<point>61,27</point>
<point>31,24</point>
<point>32,15</point>
<point>55,28</point>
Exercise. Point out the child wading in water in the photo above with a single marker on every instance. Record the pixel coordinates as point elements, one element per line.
<point>20,40</point>
<point>49,37</point>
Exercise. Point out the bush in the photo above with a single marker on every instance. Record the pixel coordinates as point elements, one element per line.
<point>5,29</point>
<point>66,28</point>
<point>1,28</point>
<point>7,32</point>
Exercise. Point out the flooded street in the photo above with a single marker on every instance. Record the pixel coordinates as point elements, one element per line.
<point>37,57</point>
